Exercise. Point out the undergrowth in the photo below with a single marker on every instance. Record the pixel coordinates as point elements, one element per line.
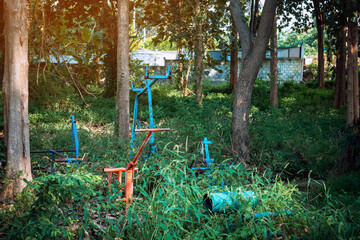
<point>301,141</point>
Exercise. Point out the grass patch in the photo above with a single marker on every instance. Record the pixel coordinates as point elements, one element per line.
<point>300,141</point>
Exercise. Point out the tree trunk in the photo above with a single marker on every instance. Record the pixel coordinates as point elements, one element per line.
<point>198,53</point>
<point>181,66</point>
<point>15,88</point>
<point>2,41</point>
<point>181,59</point>
<point>353,77</point>
<point>254,18</point>
<point>234,59</point>
<point>252,58</point>
<point>340,89</point>
<point>320,21</point>
<point>273,67</point>
<point>122,95</point>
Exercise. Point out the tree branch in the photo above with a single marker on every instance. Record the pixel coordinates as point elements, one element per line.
<point>266,23</point>
<point>241,26</point>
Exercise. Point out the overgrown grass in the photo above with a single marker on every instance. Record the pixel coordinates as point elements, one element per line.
<point>300,141</point>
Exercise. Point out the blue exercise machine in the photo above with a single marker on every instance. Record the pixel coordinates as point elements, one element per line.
<point>74,149</point>
<point>206,156</point>
<point>149,81</point>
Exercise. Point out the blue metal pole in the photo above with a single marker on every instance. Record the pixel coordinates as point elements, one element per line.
<point>142,90</point>
<point>136,105</point>
<point>74,130</point>
<point>148,84</point>
<point>52,162</point>
<point>206,156</point>
<point>151,117</point>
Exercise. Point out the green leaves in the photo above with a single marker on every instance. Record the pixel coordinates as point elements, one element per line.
<point>86,34</point>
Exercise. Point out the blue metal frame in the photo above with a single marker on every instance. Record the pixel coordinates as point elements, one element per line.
<point>149,81</point>
<point>74,136</point>
<point>206,156</point>
<point>74,147</point>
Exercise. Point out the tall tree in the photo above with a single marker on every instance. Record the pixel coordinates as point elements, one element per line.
<point>340,87</point>
<point>15,95</point>
<point>183,86</point>
<point>273,67</point>
<point>352,67</point>
<point>198,52</point>
<point>252,57</point>
<point>336,30</point>
<point>2,42</point>
<point>122,94</point>
<point>319,10</point>
<point>234,58</point>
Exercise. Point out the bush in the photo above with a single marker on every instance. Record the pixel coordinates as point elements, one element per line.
<point>53,207</point>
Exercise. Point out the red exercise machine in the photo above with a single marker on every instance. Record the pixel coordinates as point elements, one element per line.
<point>131,168</point>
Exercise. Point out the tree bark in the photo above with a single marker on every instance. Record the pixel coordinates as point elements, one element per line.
<point>122,95</point>
<point>273,67</point>
<point>320,22</point>
<point>180,46</point>
<point>2,41</point>
<point>340,89</point>
<point>252,58</point>
<point>181,67</point>
<point>15,95</point>
<point>254,17</point>
<point>234,59</point>
<point>198,53</point>
<point>353,77</point>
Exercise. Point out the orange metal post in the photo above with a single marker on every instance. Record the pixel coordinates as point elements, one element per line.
<point>131,167</point>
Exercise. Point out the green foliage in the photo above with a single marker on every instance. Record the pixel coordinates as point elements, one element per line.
<point>298,140</point>
<point>52,205</point>
<point>301,135</point>
<point>292,38</point>
<point>49,91</point>
<point>209,88</point>
<point>110,73</point>
<point>161,46</point>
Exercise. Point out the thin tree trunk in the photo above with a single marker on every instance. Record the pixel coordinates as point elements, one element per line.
<point>15,88</point>
<point>181,65</point>
<point>234,59</point>
<point>340,89</point>
<point>2,41</point>
<point>187,77</point>
<point>198,53</point>
<point>252,14</point>
<point>353,78</point>
<point>122,95</point>
<point>273,67</point>
<point>320,21</point>
<point>98,72</point>
<point>41,53</point>
<point>254,20</point>
<point>180,46</point>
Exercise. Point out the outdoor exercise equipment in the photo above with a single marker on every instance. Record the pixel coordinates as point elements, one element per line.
<point>206,156</point>
<point>216,202</point>
<point>232,201</point>
<point>149,81</point>
<point>131,168</point>
<point>74,149</point>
